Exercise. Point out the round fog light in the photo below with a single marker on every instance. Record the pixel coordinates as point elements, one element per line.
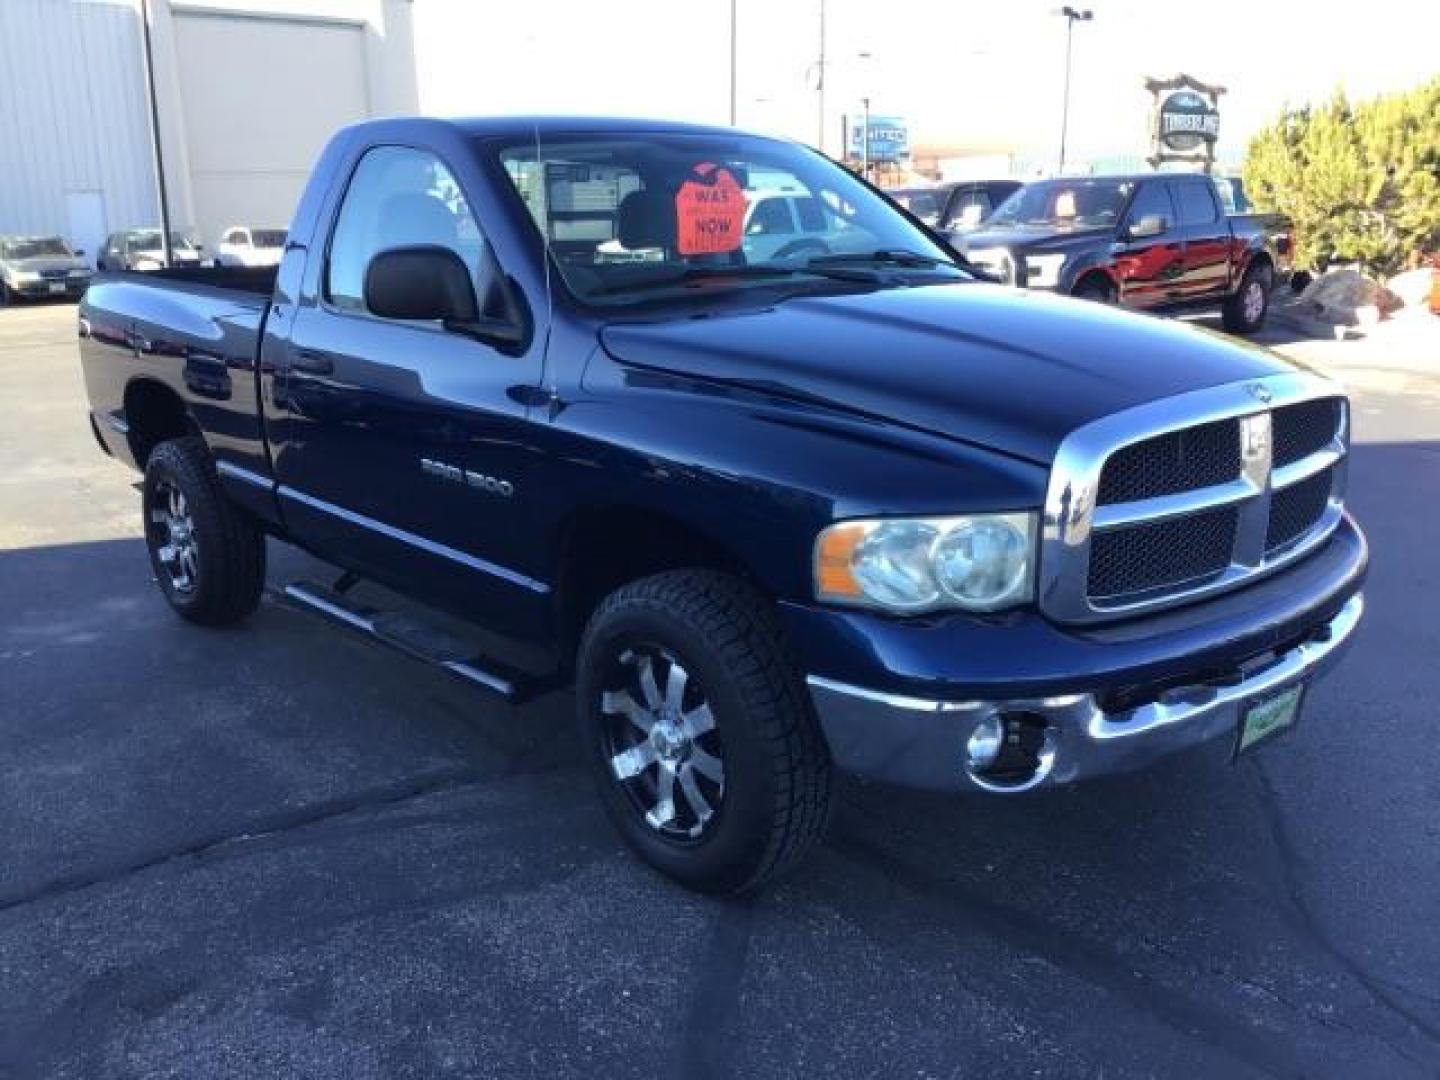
<point>984,745</point>
<point>1010,751</point>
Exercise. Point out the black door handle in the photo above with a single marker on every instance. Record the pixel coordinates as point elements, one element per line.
<point>314,363</point>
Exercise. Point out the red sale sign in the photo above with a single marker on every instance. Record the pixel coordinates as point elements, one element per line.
<point>709,212</point>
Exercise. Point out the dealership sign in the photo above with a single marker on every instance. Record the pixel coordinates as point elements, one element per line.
<point>1187,120</point>
<point>1184,120</point>
<point>889,139</point>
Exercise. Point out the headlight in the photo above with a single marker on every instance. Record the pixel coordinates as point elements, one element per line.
<point>79,272</point>
<point>1043,271</point>
<point>979,562</point>
<point>26,276</point>
<point>994,260</point>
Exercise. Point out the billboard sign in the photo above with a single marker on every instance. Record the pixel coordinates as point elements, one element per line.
<point>889,138</point>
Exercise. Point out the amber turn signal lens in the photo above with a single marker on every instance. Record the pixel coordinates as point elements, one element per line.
<point>833,574</point>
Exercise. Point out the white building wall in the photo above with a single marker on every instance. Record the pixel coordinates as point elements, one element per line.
<point>248,92</point>
<point>250,153</point>
<point>72,116</point>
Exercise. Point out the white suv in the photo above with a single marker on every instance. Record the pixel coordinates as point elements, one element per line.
<point>243,246</point>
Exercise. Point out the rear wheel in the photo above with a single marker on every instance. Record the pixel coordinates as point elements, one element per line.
<point>708,756</point>
<point>208,557</point>
<point>1244,312</point>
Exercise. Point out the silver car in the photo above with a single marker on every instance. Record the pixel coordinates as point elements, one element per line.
<point>40,266</point>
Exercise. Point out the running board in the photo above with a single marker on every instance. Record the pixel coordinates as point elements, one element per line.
<point>419,640</point>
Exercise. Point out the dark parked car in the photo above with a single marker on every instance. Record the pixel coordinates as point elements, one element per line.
<point>40,266</point>
<point>142,249</point>
<point>1158,242</point>
<point>771,517</point>
<point>955,208</point>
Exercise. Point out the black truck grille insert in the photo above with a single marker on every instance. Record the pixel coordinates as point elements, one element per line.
<point>1297,431</point>
<point>1297,509</point>
<point>1185,551</point>
<point>1168,464</point>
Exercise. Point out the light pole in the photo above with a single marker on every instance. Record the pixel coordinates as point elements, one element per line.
<point>1071,16</point>
<point>732,61</point>
<point>155,135</point>
<point>820,85</point>
<point>865,139</point>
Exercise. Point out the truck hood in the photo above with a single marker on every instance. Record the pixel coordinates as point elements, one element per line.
<point>1009,370</point>
<point>1035,240</point>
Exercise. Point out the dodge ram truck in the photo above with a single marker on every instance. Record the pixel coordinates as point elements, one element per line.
<point>774,518</point>
<point>1157,242</point>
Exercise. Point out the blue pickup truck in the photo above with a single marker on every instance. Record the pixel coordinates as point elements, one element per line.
<point>830,507</point>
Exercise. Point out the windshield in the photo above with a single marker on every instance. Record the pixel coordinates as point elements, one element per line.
<point>1064,204</point>
<point>633,216</point>
<point>36,249</point>
<point>149,240</point>
<point>268,238</point>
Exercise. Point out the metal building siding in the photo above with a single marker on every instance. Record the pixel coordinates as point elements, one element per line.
<point>72,113</point>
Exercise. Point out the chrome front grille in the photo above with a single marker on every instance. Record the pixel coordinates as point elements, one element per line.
<point>1181,498</point>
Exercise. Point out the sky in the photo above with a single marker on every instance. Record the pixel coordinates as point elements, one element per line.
<point>961,72</point>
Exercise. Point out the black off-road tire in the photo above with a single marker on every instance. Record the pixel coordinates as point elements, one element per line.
<point>1095,288</point>
<point>229,548</point>
<point>775,803</point>
<point>1245,311</point>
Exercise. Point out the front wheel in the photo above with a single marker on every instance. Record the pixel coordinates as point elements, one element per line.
<point>699,731</point>
<point>208,557</point>
<point>1096,289</point>
<point>1244,312</point>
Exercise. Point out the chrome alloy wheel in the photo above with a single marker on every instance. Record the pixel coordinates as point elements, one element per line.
<point>1253,303</point>
<point>173,536</point>
<point>662,745</point>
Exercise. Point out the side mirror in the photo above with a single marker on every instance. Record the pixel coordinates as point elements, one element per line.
<point>1148,226</point>
<point>430,282</point>
<point>421,282</point>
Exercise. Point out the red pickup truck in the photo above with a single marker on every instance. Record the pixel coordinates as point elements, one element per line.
<point>1158,242</point>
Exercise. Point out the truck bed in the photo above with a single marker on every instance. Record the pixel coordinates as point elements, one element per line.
<point>251,279</point>
<point>193,332</point>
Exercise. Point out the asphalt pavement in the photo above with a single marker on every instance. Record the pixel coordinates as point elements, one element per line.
<point>281,851</point>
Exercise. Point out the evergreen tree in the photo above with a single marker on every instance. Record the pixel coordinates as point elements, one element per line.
<point>1360,182</point>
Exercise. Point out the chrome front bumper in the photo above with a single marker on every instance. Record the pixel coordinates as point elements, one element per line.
<point>929,744</point>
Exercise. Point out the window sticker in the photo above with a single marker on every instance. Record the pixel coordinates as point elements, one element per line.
<point>709,212</point>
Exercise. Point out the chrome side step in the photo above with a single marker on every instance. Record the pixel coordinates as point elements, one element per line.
<point>418,640</point>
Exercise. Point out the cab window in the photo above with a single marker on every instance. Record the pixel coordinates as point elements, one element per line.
<point>397,197</point>
<point>770,216</point>
<point>1197,203</point>
<point>970,208</point>
<point>1152,200</point>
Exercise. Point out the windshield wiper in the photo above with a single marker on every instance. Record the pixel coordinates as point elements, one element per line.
<point>888,256</point>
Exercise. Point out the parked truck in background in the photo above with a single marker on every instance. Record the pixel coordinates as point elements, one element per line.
<point>770,516</point>
<point>958,207</point>
<point>1156,242</point>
